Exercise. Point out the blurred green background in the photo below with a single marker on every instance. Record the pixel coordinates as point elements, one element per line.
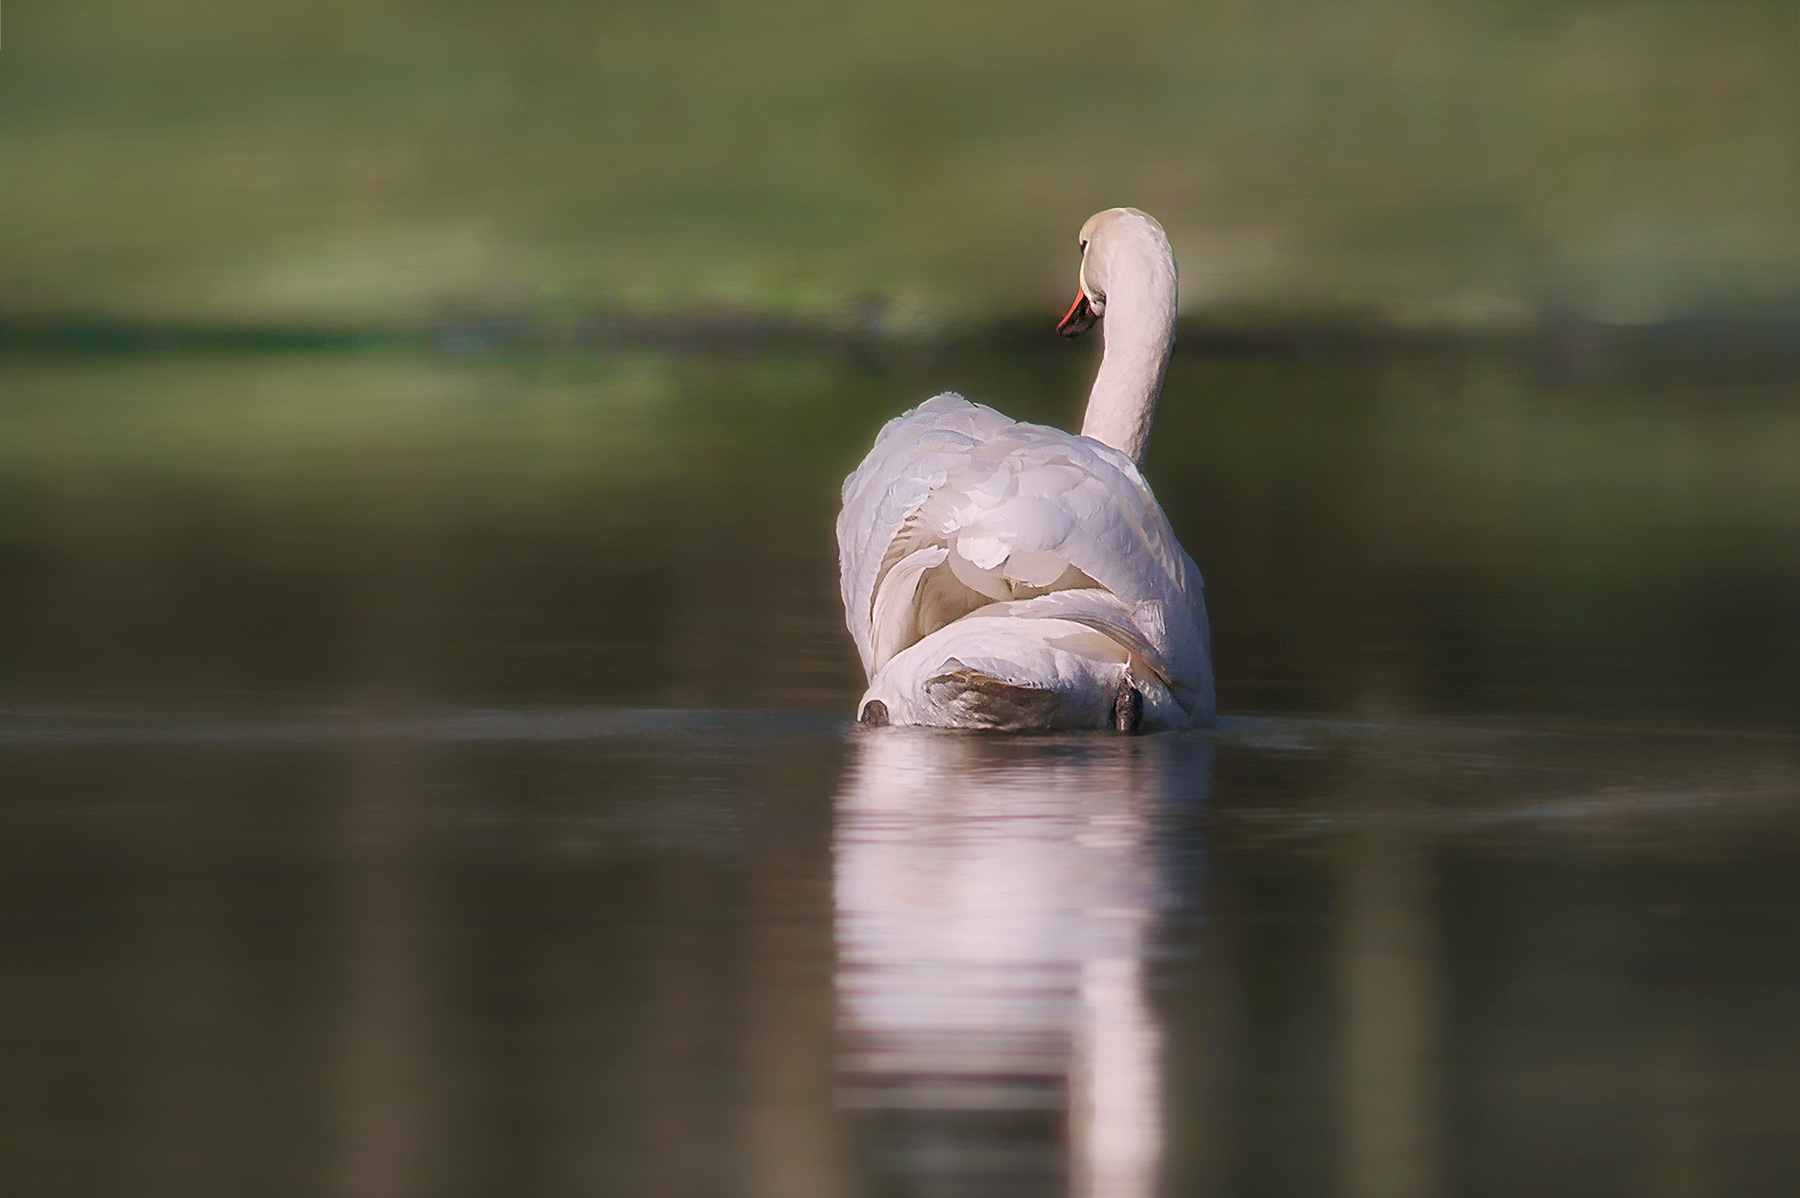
<point>424,696</point>
<point>513,352</point>
<point>1471,163</point>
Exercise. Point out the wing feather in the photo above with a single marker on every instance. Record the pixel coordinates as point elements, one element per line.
<point>1017,510</point>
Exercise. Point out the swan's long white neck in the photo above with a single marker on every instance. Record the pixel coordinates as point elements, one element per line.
<point>1139,329</point>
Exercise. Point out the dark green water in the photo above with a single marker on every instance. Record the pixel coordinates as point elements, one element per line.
<point>430,774</point>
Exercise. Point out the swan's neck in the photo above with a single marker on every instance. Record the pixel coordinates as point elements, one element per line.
<point>1139,328</point>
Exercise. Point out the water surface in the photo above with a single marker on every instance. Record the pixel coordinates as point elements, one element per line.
<point>430,773</point>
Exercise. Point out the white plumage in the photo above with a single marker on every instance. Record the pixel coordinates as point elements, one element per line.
<point>1005,575</point>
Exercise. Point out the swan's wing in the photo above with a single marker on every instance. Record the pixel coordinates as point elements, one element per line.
<point>1134,631</point>
<point>1011,512</point>
<point>914,454</point>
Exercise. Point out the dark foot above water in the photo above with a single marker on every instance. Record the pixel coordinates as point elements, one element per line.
<point>1128,709</point>
<point>874,714</point>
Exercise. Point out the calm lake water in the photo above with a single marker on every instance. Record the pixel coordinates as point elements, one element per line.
<point>428,770</point>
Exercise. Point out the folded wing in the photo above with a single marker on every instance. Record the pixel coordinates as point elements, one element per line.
<point>958,511</point>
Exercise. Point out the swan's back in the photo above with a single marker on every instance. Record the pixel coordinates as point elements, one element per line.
<point>992,569</point>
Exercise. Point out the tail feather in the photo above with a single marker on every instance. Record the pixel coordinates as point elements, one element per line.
<point>984,701</point>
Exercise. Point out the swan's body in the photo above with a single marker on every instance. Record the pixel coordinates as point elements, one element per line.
<point>1006,575</point>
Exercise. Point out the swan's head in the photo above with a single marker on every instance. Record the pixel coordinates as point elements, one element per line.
<point>1118,247</point>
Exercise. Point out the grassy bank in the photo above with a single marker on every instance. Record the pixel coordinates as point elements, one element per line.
<point>394,161</point>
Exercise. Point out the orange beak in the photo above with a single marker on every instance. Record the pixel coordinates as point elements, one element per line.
<point>1080,317</point>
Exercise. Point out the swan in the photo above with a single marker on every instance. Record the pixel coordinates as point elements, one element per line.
<point>1004,575</point>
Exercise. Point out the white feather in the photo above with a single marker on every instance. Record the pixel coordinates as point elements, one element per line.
<point>1028,559</point>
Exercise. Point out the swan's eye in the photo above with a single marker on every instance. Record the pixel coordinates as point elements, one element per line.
<point>1084,245</point>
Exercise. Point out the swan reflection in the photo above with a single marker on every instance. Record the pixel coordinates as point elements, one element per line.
<point>996,900</point>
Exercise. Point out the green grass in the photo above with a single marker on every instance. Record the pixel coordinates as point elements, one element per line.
<point>390,161</point>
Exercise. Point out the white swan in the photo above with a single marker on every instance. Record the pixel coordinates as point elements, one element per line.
<point>1006,575</point>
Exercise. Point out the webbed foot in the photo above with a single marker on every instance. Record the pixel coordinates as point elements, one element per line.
<point>1128,709</point>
